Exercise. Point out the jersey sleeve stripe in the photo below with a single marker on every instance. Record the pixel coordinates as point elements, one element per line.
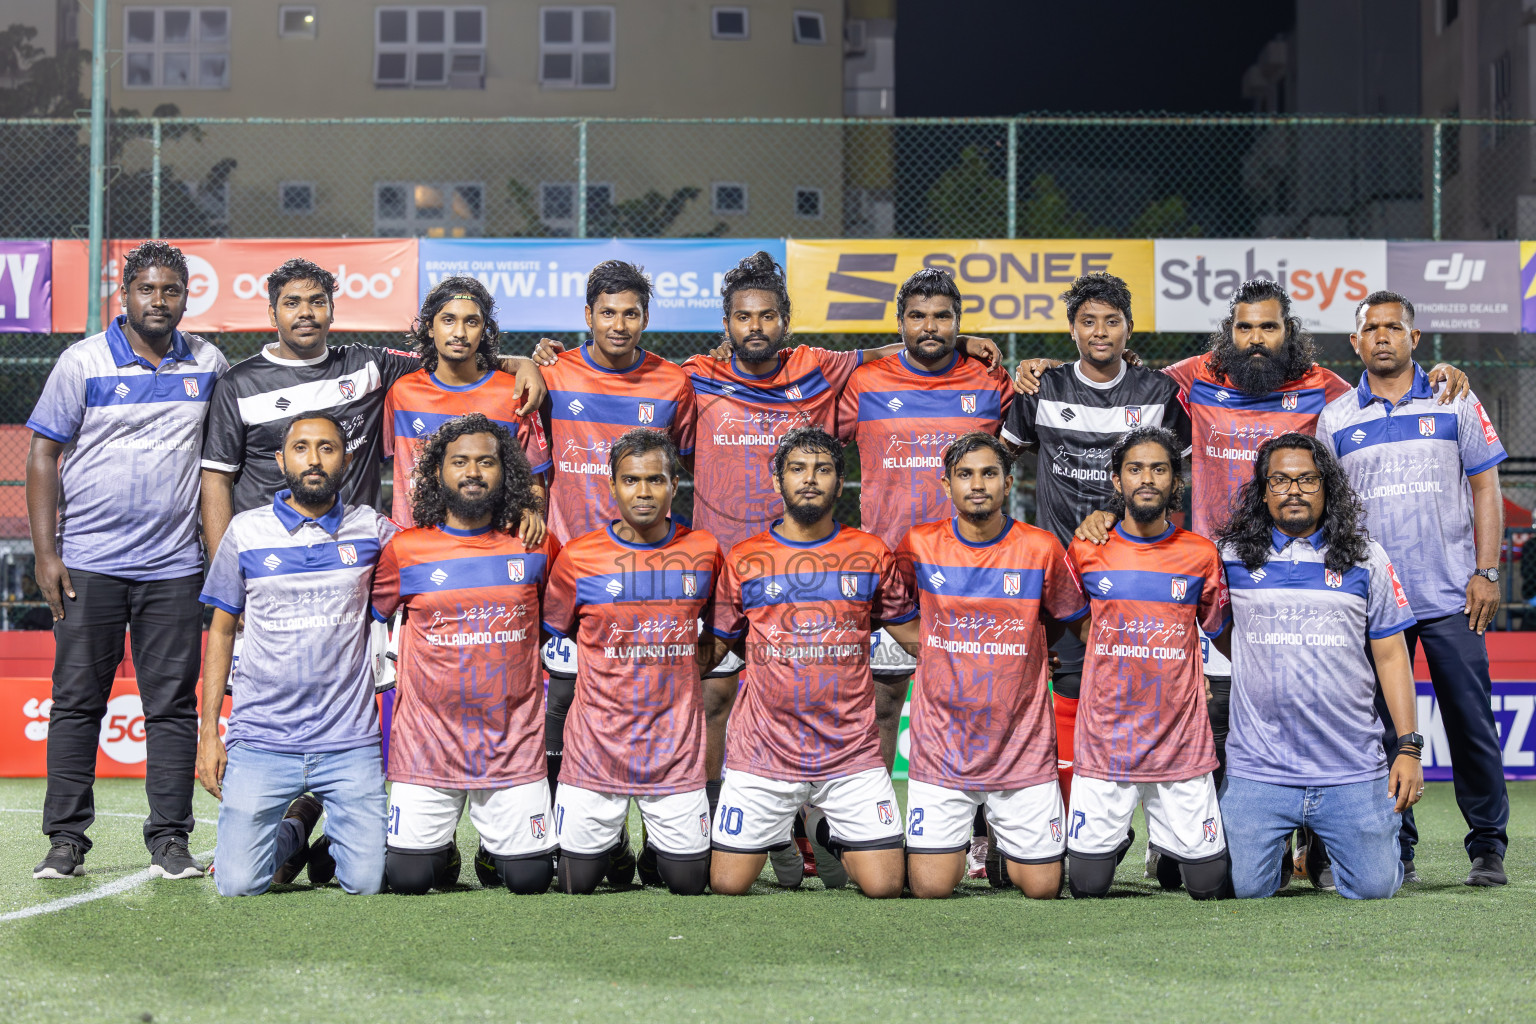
<point>47,432</point>
<point>223,467</point>
<point>1483,467</point>
<point>1075,615</point>
<point>207,598</point>
<point>1386,631</point>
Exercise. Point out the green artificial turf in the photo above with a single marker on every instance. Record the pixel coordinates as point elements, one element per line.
<point>177,952</point>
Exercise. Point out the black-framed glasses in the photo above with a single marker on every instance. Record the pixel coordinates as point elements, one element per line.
<point>1279,483</point>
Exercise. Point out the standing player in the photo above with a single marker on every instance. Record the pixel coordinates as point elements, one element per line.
<point>1429,480</point>
<point>805,595</point>
<point>982,733</point>
<point>1143,733</point>
<point>633,594</point>
<point>468,720</point>
<point>112,501</point>
<point>455,334</point>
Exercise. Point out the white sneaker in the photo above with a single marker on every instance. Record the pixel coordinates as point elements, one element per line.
<point>976,859</point>
<point>788,866</point>
<point>828,868</point>
<point>1152,858</point>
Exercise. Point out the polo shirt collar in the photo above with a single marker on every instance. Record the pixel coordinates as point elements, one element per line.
<point>292,519</point>
<point>1420,389</point>
<point>124,355</point>
<point>1280,540</point>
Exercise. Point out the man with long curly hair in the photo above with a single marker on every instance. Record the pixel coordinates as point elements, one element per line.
<point>1315,603</point>
<point>468,722</point>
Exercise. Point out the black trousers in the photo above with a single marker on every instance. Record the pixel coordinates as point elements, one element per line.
<point>1458,670</point>
<point>165,621</point>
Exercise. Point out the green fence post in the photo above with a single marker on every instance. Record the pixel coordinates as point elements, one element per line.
<point>98,166</point>
<point>154,180</point>
<point>581,179</point>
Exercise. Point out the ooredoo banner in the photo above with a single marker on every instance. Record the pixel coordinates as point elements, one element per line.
<point>227,291</point>
<point>1470,287</point>
<point>1196,278</point>
<point>540,284</point>
<point>26,286</point>
<point>1006,284</point>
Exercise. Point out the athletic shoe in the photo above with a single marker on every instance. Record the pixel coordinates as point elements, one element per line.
<point>1303,840</point>
<point>1168,875</point>
<point>1487,870</point>
<point>807,857</point>
<point>828,868</point>
<point>1319,867</point>
<point>486,869</point>
<point>322,864</point>
<point>976,858</point>
<point>1152,858</point>
<point>64,860</point>
<point>621,867</point>
<point>645,865</point>
<point>1287,864</point>
<point>788,866</point>
<point>1409,874</point>
<point>997,871</point>
<point>173,861</point>
<point>306,811</point>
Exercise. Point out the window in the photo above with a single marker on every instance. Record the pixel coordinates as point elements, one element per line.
<point>576,47</point>
<point>429,47</point>
<point>176,47</point>
<point>729,23</point>
<point>1501,101</point>
<point>807,203</point>
<point>296,22</point>
<point>810,27</point>
<point>436,209</point>
<point>296,196</point>
<point>557,204</point>
<point>728,197</point>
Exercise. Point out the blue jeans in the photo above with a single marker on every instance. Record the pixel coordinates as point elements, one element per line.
<point>1356,822</point>
<point>254,838</point>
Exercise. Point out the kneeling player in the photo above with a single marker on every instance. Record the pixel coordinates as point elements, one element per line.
<point>1143,734</point>
<point>983,734</point>
<point>468,719</point>
<point>633,593</point>
<point>806,594</point>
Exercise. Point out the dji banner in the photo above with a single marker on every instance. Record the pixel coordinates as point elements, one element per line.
<point>1468,287</point>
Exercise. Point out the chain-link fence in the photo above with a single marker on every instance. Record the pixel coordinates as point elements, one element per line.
<point>1029,177</point>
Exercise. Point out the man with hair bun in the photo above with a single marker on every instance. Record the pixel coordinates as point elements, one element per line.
<point>112,485</point>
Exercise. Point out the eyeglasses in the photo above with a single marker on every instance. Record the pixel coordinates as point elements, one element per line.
<point>1309,483</point>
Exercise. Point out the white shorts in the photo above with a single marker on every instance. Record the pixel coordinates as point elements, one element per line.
<point>1027,824</point>
<point>730,665</point>
<point>1183,819</point>
<point>589,823</point>
<point>513,822</point>
<point>757,814</point>
<point>1215,663</point>
<point>889,658</point>
<point>559,656</point>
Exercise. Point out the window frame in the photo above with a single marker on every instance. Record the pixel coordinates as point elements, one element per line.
<point>314,23</point>
<point>714,25</point>
<point>794,23</point>
<point>821,202</point>
<point>714,198</point>
<point>413,225</point>
<point>578,47</point>
<point>282,199</point>
<point>411,49</point>
<point>195,47</point>
<point>568,224</point>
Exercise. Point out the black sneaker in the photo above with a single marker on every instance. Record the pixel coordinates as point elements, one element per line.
<point>645,864</point>
<point>1170,877</point>
<point>997,872</point>
<point>64,860</point>
<point>1319,866</point>
<point>1487,870</point>
<point>621,867</point>
<point>1288,863</point>
<point>306,810</point>
<point>322,864</point>
<point>487,870</point>
<point>173,861</point>
<point>1409,874</point>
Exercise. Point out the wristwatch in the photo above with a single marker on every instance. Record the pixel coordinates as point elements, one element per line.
<point>1411,739</point>
<point>1491,575</point>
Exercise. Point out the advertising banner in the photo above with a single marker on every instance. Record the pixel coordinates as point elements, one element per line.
<point>849,285</point>
<point>1196,278</point>
<point>1458,286</point>
<point>1513,705</point>
<point>227,291</point>
<point>26,287</point>
<point>540,284</point>
<point>1528,287</point>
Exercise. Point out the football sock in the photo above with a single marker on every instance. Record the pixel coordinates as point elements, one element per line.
<point>562,690</point>
<point>526,876</point>
<point>685,876</point>
<point>413,872</point>
<point>1066,726</point>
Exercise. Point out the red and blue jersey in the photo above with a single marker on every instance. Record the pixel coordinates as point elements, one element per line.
<point>1142,716</point>
<point>903,417</point>
<point>418,403</point>
<point>981,716</point>
<point>1228,425</point>
<point>469,705</point>
<point>807,708</point>
<point>590,407</point>
<point>636,724</point>
<point>741,419</point>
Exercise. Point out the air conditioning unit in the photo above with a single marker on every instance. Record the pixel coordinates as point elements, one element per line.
<point>467,70</point>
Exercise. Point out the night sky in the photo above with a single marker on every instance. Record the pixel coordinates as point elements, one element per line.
<point>972,58</point>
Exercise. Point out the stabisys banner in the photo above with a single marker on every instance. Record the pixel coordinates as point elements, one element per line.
<point>227,291</point>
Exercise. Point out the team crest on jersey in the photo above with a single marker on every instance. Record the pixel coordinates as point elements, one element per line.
<point>1010,583</point>
<point>348,553</point>
<point>850,585</point>
<point>515,570</point>
<point>189,385</point>
<point>1133,415</point>
<point>1288,401</point>
<point>348,389</point>
<point>793,392</point>
<point>1180,587</point>
<point>690,584</point>
<point>968,404</point>
<point>1209,824</point>
<point>647,412</point>
<point>1055,830</point>
<point>886,812</point>
<point>1427,426</point>
<point>536,825</point>
<point>703,824</point>
<point>1333,579</point>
